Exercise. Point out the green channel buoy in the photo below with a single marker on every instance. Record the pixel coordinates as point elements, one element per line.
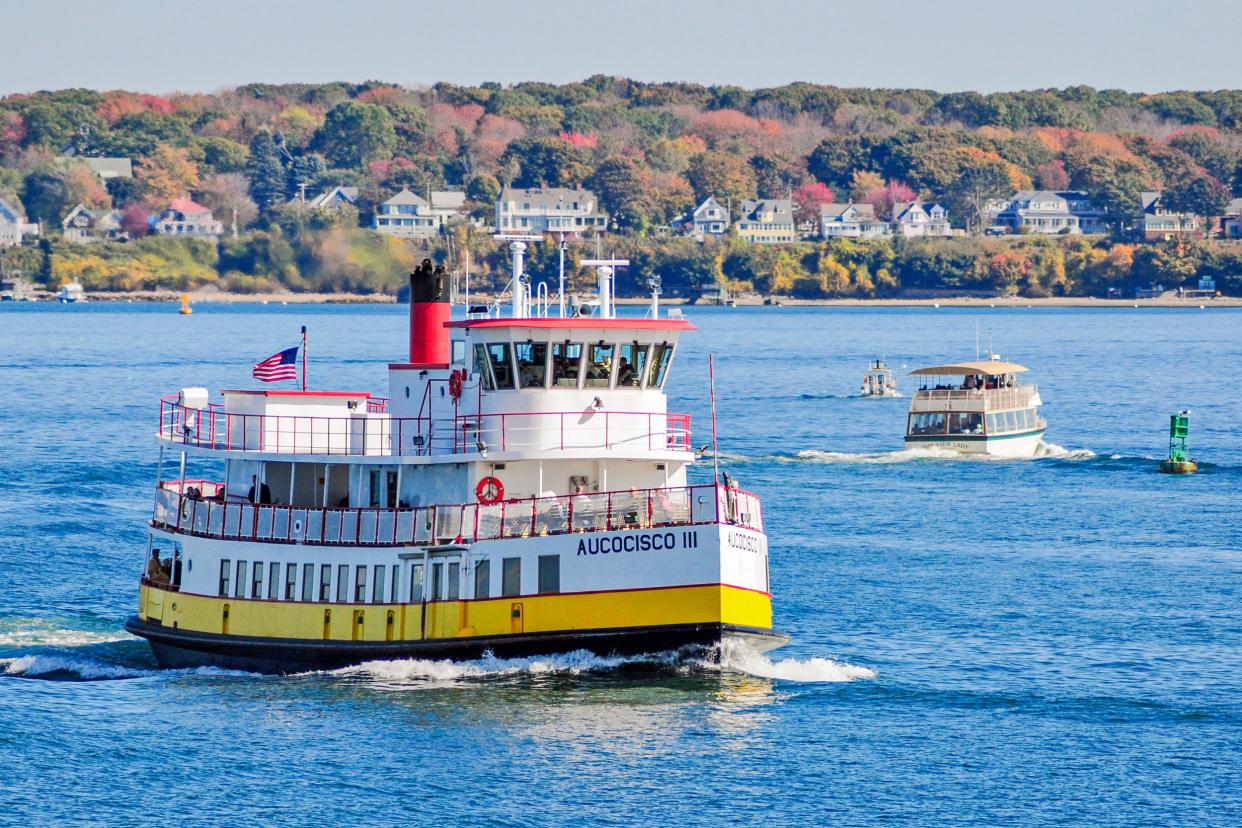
<point>1179,460</point>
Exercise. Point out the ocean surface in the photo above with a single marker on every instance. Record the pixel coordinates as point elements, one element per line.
<point>1055,641</point>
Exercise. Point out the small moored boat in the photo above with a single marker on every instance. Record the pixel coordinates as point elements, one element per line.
<point>70,293</point>
<point>977,407</point>
<point>878,381</point>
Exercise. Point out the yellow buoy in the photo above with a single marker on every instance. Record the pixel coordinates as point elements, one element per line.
<point>185,305</point>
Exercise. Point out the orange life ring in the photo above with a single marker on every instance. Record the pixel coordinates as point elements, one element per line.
<point>455,384</point>
<point>490,490</point>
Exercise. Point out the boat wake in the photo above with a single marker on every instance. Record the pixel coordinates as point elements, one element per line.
<point>43,632</point>
<point>57,667</point>
<point>733,658</point>
<point>1045,451</point>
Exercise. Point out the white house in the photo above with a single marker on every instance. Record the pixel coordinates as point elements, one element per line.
<point>912,218</point>
<point>851,221</point>
<point>1231,223</point>
<point>1047,212</point>
<point>709,219</point>
<point>185,217</point>
<point>83,226</point>
<point>548,210</point>
<point>407,215</point>
<point>767,221</point>
<point>13,225</point>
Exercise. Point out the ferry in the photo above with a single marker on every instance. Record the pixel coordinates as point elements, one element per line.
<point>522,490</point>
<point>977,407</point>
<point>878,381</point>
<point>71,292</point>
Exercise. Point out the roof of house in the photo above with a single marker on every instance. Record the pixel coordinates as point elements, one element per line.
<point>1148,199</point>
<point>188,206</point>
<point>111,167</point>
<point>407,197</point>
<point>8,212</point>
<point>349,194</point>
<point>751,208</point>
<point>903,208</point>
<point>448,199</point>
<point>1234,208</point>
<point>546,196</point>
<point>865,212</point>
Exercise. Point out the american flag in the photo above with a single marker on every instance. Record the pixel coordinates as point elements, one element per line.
<point>281,366</point>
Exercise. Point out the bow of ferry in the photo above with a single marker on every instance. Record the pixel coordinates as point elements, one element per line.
<point>522,490</point>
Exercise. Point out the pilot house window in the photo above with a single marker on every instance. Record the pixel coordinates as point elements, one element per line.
<point>630,365</point>
<point>566,359</point>
<point>661,356</point>
<point>532,363</point>
<point>599,366</point>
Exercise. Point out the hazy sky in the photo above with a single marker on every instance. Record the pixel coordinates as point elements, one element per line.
<point>1140,45</point>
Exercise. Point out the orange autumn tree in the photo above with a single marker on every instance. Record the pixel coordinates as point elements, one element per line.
<point>166,174</point>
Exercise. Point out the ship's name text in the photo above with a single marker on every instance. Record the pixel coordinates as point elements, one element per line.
<point>607,544</point>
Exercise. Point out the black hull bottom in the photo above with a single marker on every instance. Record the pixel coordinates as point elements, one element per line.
<point>175,648</point>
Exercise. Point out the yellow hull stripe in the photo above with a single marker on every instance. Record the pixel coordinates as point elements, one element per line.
<point>712,603</point>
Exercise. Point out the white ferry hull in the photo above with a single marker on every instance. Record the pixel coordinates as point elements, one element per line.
<point>1016,445</point>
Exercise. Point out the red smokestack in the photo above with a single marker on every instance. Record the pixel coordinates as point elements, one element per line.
<point>429,311</point>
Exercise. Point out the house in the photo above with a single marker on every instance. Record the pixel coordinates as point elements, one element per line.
<point>912,219</point>
<point>407,215</point>
<point>549,210</point>
<point>107,168</point>
<point>709,220</point>
<point>13,225</point>
<point>334,199</point>
<point>766,221</point>
<point>1157,223</point>
<point>1231,222</point>
<point>1047,212</point>
<point>448,204</point>
<point>185,217</point>
<point>851,221</point>
<point>84,226</point>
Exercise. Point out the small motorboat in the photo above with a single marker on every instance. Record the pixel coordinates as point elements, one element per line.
<point>878,381</point>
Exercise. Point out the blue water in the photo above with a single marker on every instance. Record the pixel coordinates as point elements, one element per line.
<point>975,642</point>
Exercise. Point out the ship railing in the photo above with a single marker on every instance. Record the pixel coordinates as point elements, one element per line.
<point>458,523</point>
<point>375,433</point>
<point>992,398</point>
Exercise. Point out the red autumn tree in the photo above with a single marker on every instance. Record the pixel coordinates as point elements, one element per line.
<point>808,199</point>
<point>1052,175</point>
<point>884,198</point>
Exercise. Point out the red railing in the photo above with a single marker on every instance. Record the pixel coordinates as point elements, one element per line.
<point>461,523</point>
<point>373,432</point>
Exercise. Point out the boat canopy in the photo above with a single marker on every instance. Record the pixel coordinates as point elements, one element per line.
<point>989,367</point>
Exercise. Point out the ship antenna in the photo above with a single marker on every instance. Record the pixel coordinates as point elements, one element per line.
<point>711,373</point>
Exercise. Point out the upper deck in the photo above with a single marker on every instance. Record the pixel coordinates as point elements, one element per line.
<point>979,386</point>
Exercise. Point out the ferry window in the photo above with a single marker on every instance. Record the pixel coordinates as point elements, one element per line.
<point>566,359</point>
<point>396,579</point>
<point>599,365</point>
<point>256,585</point>
<point>511,576</point>
<point>437,581</point>
<point>661,356</point>
<point>965,422</point>
<point>482,366</point>
<point>373,497</point>
<point>239,583</point>
<point>226,567</point>
<point>416,582</point>
<point>273,581</point>
<point>325,582</point>
<point>630,365</point>
<point>549,573</point>
<point>532,363</point>
<point>1012,423</point>
<point>360,585</point>
<point>927,423</point>
<point>991,423</point>
<point>1028,417</point>
<point>308,582</point>
<point>291,582</point>
<point>502,370</point>
<point>454,581</point>
<point>342,583</point>
<point>377,588</point>
<point>483,579</point>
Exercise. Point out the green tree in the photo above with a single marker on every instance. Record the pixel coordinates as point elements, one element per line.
<point>1201,196</point>
<point>303,170</point>
<point>621,184</point>
<point>484,189</point>
<point>835,161</point>
<point>353,133</point>
<point>968,197</point>
<point>727,177</point>
<point>1116,185</point>
<point>45,196</point>
<point>546,162</point>
<point>267,177</point>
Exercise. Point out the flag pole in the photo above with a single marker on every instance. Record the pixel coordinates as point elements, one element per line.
<point>303,357</point>
<point>711,373</point>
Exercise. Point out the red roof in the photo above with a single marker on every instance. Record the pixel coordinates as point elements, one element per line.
<point>187,205</point>
<point>579,322</point>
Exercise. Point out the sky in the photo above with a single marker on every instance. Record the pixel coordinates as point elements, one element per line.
<point>946,45</point>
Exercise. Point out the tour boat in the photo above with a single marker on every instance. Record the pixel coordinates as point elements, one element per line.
<point>976,407</point>
<point>523,490</point>
<point>878,381</point>
<point>70,293</point>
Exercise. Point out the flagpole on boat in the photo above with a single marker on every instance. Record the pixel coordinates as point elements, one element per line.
<point>303,357</point>
<point>711,373</point>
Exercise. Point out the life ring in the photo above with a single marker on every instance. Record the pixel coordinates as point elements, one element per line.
<point>297,528</point>
<point>490,490</point>
<point>455,384</point>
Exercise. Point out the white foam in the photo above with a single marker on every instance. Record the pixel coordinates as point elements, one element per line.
<point>902,456</point>
<point>423,671</point>
<point>38,632</point>
<point>740,658</point>
<point>1052,450</point>
<point>33,666</point>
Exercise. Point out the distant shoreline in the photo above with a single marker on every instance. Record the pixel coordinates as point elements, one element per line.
<point>219,297</point>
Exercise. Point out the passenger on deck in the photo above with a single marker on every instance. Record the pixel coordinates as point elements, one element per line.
<point>261,489</point>
<point>971,383</point>
<point>155,569</point>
